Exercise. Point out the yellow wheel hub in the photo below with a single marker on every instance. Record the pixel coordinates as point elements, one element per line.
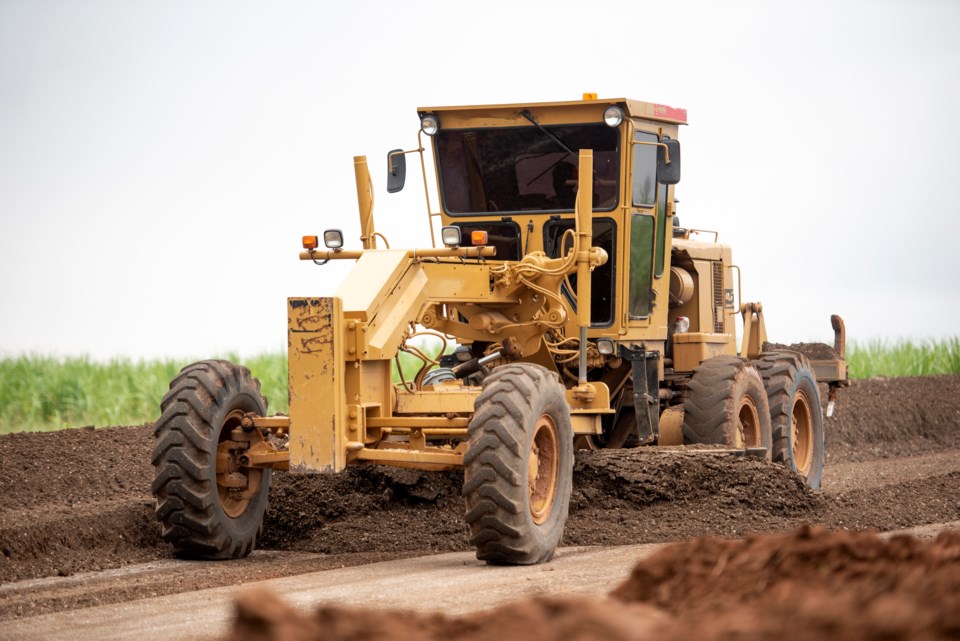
<point>801,433</point>
<point>542,468</point>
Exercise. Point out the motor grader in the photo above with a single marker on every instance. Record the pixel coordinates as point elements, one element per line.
<point>571,308</point>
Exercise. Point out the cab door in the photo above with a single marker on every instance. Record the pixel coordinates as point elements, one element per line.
<point>647,221</point>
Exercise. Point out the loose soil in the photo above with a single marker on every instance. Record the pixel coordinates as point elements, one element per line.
<point>808,584</point>
<point>813,351</point>
<point>79,500</point>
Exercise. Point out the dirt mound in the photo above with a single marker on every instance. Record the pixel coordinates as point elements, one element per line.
<point>894,417</point>
<point>813,351</point>
<point>262,616</point>
<point>364,509</point>
<point>648,496</point>
<point>80,499</point>
<point>810,584</point>
<point>619,497</point>
<point>75,500</point>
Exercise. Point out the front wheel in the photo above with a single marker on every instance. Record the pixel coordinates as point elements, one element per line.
<point>518,469</point>
<point>208,506</point>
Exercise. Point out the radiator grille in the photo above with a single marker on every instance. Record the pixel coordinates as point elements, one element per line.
<point>718,297</point>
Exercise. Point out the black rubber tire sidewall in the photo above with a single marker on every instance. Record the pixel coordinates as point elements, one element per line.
<point>804,380</point>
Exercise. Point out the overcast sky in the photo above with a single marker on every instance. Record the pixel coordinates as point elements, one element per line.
<point>159,161</point>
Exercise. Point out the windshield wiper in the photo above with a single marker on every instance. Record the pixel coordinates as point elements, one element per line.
<point>526,114</point>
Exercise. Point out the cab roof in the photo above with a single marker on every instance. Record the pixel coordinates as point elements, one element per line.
<point>632,108</point>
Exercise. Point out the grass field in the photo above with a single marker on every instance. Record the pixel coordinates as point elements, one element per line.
<point>43,393</point>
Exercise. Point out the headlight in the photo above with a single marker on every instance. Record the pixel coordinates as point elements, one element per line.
<point>333,238</point>
<point>613,116</point>
<point>430,124</point>
<point>605,346</point>
<point>450,236</point>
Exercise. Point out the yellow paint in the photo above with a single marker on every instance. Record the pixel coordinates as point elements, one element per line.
<point>316,376</point>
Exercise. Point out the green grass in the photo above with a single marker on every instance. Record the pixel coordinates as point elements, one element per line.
<point>903,358</point>
<point>39,393</point>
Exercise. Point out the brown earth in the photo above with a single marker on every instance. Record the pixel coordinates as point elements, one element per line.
<point>813,351</point>
<point>78,501</point>
<point>808,584</point>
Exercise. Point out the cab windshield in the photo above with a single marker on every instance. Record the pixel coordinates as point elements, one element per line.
<point>523,169</point>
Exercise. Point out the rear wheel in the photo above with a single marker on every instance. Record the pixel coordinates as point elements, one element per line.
<point>208,506</point>
<point>795,413</point>
<point>726,405</point>
<point>518,467</point>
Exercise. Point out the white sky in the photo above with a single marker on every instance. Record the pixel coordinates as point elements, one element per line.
<point>159,161</point>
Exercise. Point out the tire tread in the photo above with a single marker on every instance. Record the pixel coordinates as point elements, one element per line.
<point>187,497</point>
<point>494,488</point>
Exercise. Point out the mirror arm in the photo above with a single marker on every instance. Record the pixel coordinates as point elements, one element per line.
<point>401,152</point>
<point>666,150</point>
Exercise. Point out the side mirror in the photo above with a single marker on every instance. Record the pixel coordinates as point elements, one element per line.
<point>396,170</point>
<point>668,173</point>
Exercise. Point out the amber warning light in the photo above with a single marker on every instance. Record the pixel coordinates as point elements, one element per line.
<point>478,238</point>
<point>310,242</point>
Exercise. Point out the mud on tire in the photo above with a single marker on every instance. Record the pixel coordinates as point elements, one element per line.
<point>518,467</point>
<point>726,404</point>
<point>795,411</point>
<point>199,516</point>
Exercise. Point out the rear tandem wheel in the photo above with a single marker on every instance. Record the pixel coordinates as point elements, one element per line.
<point>795,411</point>
<point>726,405</point>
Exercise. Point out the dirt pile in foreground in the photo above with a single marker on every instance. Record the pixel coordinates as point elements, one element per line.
<point>263,616</point>
<point>80,499</point>
<point>809,584</point>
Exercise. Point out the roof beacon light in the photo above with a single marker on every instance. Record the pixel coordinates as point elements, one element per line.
<point>613,116</point>
<point>310,242</point>
<point>430,124</point>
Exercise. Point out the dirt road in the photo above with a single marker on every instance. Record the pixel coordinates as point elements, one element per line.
<point>454,582</point>
<point>76,526</point>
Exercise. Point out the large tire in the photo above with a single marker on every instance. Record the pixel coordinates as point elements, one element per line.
<point>203,514</point>
<point>518,469</point>
<point>795,412</point>
<point>726,405</point>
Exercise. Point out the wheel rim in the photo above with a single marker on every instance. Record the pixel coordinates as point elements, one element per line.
<point>542,468</point>
<point>748,424</point>
<point>801,433</point>
<point>236,485</point>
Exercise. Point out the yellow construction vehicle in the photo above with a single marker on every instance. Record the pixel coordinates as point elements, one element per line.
<point>574,311</point>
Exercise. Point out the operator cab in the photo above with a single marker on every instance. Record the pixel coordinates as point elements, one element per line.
<point>511,171</point>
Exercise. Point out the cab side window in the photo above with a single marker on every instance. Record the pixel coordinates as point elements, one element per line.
<point>647,228</point>
<point>644,170</point>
